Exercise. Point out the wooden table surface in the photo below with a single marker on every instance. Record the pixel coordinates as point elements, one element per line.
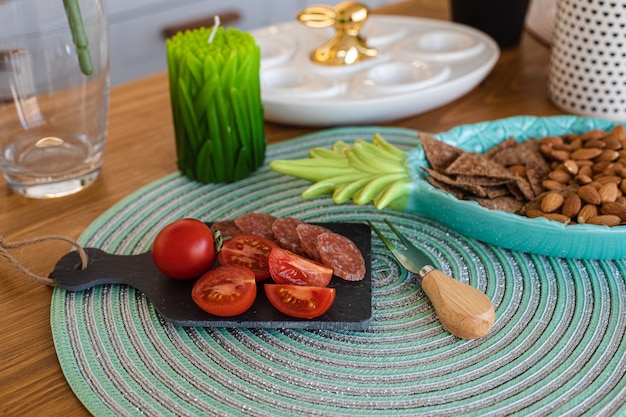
<point>139,150</point>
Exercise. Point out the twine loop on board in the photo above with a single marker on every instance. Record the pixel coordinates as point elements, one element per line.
<point>6,246</point>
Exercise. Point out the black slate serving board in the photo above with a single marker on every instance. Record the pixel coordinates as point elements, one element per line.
<point>352,309</point>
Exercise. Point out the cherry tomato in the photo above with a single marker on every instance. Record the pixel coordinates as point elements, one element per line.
<point>184,249</point>
<point>250,251</point>
<point>300,301</point>
<point>225,291</point>
<point>289,268</point>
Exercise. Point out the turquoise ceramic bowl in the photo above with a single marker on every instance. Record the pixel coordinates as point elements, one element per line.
<point>539,235</point>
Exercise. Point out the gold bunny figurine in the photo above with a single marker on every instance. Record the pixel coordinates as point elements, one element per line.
<point>347,46</point>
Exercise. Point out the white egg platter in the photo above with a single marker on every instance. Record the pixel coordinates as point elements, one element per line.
<point>421,64</point>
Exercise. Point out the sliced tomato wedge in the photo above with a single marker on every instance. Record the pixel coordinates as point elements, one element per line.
<point>250,251</point>
<point>300,301</point>
<point>225,291</point>
<point>289,268</point>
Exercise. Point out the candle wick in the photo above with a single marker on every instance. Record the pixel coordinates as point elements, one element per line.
<point>215,26</point>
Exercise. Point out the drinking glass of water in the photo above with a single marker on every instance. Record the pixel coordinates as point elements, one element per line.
<point>53,94</point>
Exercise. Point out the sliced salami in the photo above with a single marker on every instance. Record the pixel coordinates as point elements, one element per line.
<point>342,255</point>
<point>285,234</point>
<point>308,234</point>
<point>227,228</point>
<point>259,224</point>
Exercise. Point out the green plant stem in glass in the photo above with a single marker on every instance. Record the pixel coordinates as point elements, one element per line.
<point>77,28</point>
<point>215,96</point>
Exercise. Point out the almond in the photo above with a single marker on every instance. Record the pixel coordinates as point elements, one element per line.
<point>585,170</point>
<point>551,202</point>
<point>605,220</point>
<point>546,150</point>
<point>612,143</point>
<point>572,167</point>
<point>551,140</point>
<point>600,166</point>
<point>559,155</point>
<point>595,143</point>
<point>609,170</point>
<point>605,179</point>
<point>587,212</point>
<point>576,142</point>
<point>558,217</point>
<point>608,155</point>
<point>593,134</point>
<point>589,194</point>
<point>565,147</point>
<point>560,176</point>
<point>571,206</point>
<point>586,153</point>
<point>583,179</point>
<point>518,169</point>
<point>615,209</point>
<point>552,185</point>
<point>618,132</point>
<point>609,192</point>
<point>533,213</point>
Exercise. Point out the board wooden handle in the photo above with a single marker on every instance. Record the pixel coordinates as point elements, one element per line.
<point>462,309</point>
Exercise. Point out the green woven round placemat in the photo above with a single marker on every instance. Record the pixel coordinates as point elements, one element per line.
<point>557,347</point>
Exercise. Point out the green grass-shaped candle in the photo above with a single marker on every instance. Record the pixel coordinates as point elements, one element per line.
<point>214,79</point>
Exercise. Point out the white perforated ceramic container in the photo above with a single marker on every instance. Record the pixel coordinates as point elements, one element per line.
<point>588,62</point>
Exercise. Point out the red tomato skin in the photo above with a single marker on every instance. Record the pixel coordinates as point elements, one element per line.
<point>250,251</point>
<point>184,249</point>
<point>304,302</point>
<point>225,291</point>
<point>289,268</point>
